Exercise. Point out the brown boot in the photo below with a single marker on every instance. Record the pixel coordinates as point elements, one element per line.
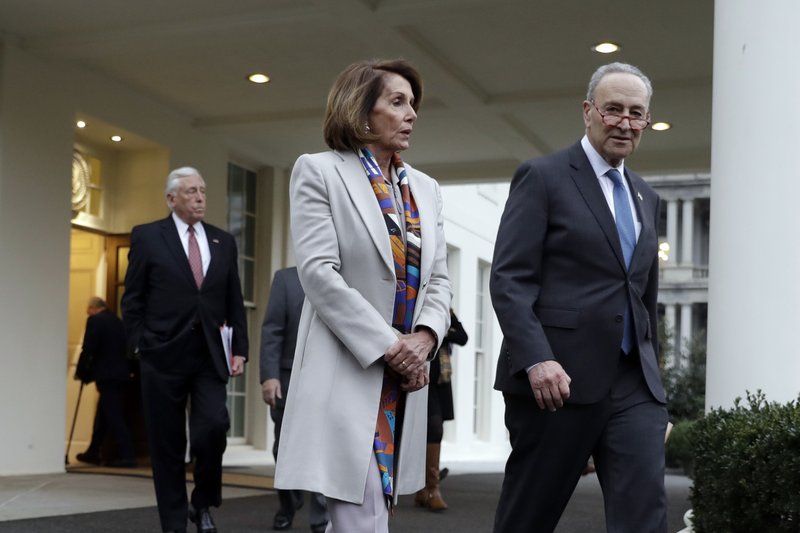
<point>435,502</point>
<point>421,498</point>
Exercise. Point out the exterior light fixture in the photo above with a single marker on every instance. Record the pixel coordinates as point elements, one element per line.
<point>606,48</point>
<point>663,251</point>
<point>661,126</point>
<point>257,77</point>
<point>81,124</point>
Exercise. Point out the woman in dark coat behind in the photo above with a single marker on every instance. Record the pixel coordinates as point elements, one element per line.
<point>440,408</point>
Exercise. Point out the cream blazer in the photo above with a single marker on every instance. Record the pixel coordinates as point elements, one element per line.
<point>345,264</point>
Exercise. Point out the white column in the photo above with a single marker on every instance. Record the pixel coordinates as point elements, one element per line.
<point>687,235</point>
<point>686,330</point>
<point>34,265</point>
<point>672,231</point>
<point>670,315</point>
<point>753,285</point>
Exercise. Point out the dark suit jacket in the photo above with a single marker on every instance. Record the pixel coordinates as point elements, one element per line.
<point>559,284</point>
<point>279,330</point>
<point>162,303</point>
<point>104,349</point>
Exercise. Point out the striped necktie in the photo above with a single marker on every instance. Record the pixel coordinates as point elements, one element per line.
<point>627,238</point>
<point>195,260</point>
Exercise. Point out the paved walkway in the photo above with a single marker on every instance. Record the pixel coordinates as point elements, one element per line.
<point>90,503</point>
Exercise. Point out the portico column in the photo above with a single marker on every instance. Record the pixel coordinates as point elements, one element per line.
<point>672,233</point>
<point>686,329</point>
<point>687,237</point>
<point>754,262</point>
<point>670,314</point>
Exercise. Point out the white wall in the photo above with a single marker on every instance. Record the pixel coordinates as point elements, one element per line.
<point>472,214</point>
<point>34,265</point>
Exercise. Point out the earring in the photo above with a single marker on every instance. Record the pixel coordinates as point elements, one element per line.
<point>366,127</point>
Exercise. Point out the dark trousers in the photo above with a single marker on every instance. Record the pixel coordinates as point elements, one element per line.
<point>110,416</point>
<point>291,500</point>
<point>164,395</point>
<point>625,434</point>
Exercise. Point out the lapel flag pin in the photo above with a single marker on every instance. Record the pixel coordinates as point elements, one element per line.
<point>216,241</point>
<point>639,195</point>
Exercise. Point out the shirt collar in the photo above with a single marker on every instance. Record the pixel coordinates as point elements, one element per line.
<point>183,227</point>
<point>599,165</point>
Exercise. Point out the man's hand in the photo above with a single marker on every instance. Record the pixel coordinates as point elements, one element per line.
<point>550,385</point>
<point>237,365</point>
<point>408,355</point>
<point>271,391</point>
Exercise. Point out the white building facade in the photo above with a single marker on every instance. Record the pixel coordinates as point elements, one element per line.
<point>684,235</point>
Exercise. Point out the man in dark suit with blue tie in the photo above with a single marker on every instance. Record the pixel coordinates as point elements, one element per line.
<point>181,287</point>
<point>574,285</point>
<point>278,341</point>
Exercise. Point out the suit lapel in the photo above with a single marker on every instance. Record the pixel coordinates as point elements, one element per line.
<point>586,181</point>
<point>169,232</point>
<point>214,243</point>
<point>363,197</point>
<point>645,211</point>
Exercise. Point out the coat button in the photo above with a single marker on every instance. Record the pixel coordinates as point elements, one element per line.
<point>618,318</point>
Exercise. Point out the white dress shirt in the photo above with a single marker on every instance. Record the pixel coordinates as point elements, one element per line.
<point>600,167</point>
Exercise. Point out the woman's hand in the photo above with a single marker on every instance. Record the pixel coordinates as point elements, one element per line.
<point>409,354</point>
<point>416,382</point>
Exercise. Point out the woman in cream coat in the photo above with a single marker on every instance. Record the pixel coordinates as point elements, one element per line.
<point>347,268</point>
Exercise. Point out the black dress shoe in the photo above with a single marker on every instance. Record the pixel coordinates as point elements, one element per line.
<point>319,528</point>
<point>202,519</point>
<point>281,522</point>
<point>88,457</point>
<point>123,463</point>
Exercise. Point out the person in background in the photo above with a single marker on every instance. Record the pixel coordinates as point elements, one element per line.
<point>368,237</point>
<point>440,408</point>
<point>574,285</point>
<point>278,342</point>
<point>104,360</point>
<point>182,286</point>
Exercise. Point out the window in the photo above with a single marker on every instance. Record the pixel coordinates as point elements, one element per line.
<point>242,225</point>
<point>480,422</point>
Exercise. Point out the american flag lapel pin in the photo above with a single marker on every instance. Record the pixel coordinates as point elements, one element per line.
<point>216,241</point>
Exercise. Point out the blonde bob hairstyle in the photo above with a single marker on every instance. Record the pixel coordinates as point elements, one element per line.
<point>353,96</point>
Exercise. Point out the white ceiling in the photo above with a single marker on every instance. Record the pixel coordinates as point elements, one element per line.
<point>504,79</point>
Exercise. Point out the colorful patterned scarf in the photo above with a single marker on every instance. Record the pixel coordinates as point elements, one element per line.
<point>406,267</point>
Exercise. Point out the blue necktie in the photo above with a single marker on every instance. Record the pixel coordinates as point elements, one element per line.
<point>627,238</point>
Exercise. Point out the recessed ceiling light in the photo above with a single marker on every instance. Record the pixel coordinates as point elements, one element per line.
<point>661,126</point>
<point>258,78</point>
<point>606,48</point>
<point>116,138</point>
<point>81,124</point>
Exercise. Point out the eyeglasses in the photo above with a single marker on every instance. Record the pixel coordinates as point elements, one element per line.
<point>613,119</point>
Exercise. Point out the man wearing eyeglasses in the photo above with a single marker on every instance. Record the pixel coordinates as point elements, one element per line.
<point>574,285</point>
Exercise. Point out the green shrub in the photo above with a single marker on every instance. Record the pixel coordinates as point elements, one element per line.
<point>679,447</point>
<point>747,468</point>
<point>685,385</point>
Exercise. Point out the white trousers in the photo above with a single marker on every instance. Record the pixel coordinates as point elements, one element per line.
<point>372,516</point>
